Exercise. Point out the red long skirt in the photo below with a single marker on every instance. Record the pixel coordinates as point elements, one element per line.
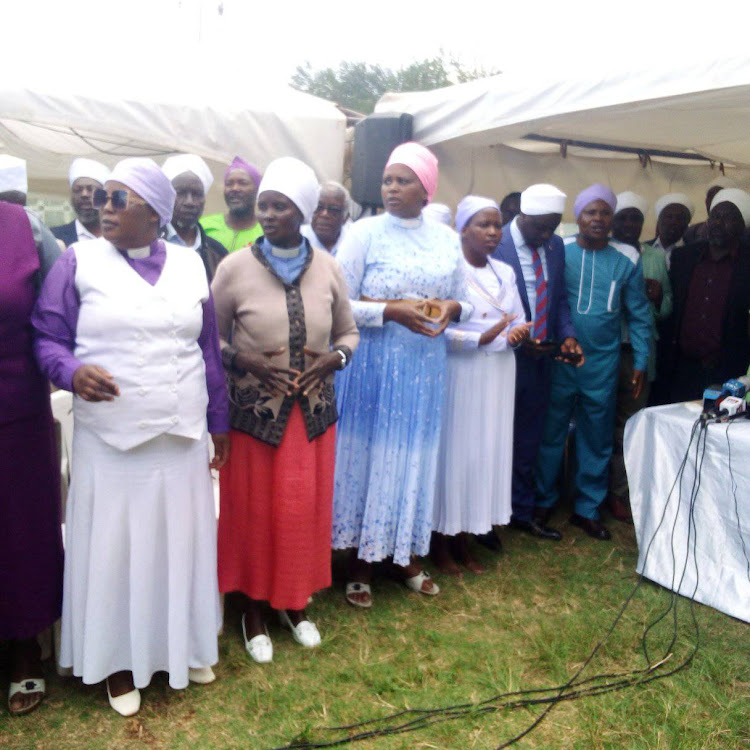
<point>275,518</point>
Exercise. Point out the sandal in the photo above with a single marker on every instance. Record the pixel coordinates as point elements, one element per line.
<point>26,687</point>
<point>355,587</point>
<point>416,583</point>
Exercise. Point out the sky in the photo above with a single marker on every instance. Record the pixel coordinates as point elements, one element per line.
<point>92,41</point>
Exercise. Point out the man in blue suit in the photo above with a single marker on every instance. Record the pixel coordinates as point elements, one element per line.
<point>537,255</point>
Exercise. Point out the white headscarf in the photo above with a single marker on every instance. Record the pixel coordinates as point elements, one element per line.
<point>738,197</point>
<point>13,174</point>
<point>295,180</point>
<point>174,166</point>
<point>538,200</point>
<point>469,207</point>
<point>670,198</point>
<point>94,170</point>
<point>629,199</point>
<point>438,212</point>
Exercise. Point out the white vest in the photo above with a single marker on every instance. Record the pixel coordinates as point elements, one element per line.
<point>147,338</point>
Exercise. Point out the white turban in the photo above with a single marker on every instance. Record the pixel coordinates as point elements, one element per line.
<point>13,174</point>
<point>295,180</point>
<point>629,199</point>
<point>738,197</point>
<point>722,181</point>
<point>469,206</point>
<point>143,177</point>
<point>538,200</point>
<point>670,198</point>
<point>174,166</point>
<point>94,170</point>
<point>438,212</point>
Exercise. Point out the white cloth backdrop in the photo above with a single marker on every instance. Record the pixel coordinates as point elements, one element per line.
<point>655,443</point>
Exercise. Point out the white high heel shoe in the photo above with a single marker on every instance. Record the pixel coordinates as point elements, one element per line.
<point>305,633</point>
<point>259,647</point>
<point>126,705</point>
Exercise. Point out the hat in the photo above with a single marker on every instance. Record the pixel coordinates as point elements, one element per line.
<point>538,200</point>
<point>143,177</point>
<point>295,180</point>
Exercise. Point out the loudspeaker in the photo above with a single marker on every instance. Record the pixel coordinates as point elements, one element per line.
<point>374,139</point>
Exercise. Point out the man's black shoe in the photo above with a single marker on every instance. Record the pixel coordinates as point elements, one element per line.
<point>595,529</point>
<point>491,541</point>
<point>537,529</point>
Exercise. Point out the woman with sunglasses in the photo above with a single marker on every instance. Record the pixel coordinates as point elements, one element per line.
<point>127,323</point>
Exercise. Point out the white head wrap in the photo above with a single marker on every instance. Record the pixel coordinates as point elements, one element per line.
<point>469,206</point>
<point>629,199</point>
<point>295,180</point>
<point>722,181</point>
<point>670,198</point>
<point>94,170</point>
<point>438,212</point>
<point>174,166</point>
<point>538,200</point>
<point>13,174</point>
<point>143,177</point>
<point>738,197</point>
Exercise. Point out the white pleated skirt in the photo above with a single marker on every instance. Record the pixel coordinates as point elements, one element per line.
<point>476,443</point>
<point>140,588</point>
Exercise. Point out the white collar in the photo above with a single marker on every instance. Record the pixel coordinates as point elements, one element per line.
<point>285,252</point>
<point>138,253</point>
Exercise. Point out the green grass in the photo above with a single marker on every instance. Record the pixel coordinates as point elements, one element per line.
<point>528,622</point>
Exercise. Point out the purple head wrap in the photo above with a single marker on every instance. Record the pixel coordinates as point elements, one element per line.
<point>595,192</point>
<point>144,178</point>
<point>239,163</point>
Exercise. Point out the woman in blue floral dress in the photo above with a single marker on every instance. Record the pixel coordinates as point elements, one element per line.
<point>405,275</point>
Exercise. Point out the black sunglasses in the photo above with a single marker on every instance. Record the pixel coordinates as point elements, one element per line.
<point>120,199</point>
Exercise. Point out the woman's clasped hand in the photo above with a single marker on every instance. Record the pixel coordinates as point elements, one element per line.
<point>285,380</point>
<point>428,317</point>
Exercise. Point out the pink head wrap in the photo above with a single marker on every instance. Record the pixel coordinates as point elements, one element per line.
<point>595,192</point>
<point>143,176</point>
<point>421,161</point>
<point>239,163</point>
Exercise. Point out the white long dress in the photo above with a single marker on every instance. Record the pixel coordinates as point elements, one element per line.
<point>140,583</point>
<point>476,447</point>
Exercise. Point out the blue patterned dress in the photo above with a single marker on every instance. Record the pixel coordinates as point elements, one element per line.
<point>391,397</point>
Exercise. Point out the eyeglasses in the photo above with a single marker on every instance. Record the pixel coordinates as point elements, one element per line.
<point>120,199</point>
<point>333,210</point>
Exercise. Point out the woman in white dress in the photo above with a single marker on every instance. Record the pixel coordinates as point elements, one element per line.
<point>127,323</point>
<point>476,448</point>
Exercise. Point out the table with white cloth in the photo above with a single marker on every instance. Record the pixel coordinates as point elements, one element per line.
<point>656,440</point>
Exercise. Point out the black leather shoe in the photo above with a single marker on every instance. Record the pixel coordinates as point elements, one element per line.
<point>595,529</point>
<point>534,528</point>
<point>490,540</point>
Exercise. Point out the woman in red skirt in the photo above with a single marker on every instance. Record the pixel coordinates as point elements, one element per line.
<point>284,308</point>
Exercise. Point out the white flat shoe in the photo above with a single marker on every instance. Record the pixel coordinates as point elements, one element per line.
<point>305,633</point>
<point>201,675</point>
<point>126,705</point>
<point>415,583</point>
<point>259,647</point>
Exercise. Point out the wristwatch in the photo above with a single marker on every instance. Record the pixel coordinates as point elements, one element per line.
<point>344,358</point>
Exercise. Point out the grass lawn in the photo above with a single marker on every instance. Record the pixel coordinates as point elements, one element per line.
<point>528,622</point>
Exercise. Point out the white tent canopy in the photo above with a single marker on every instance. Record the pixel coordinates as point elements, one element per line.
<point>480,130</point>
<point>49,125</point>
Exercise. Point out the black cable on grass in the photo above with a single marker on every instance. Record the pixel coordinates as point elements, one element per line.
<point>574,688</point>
<point>736,505</point>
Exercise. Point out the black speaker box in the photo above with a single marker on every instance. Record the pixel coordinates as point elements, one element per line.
<point>374,139</point>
